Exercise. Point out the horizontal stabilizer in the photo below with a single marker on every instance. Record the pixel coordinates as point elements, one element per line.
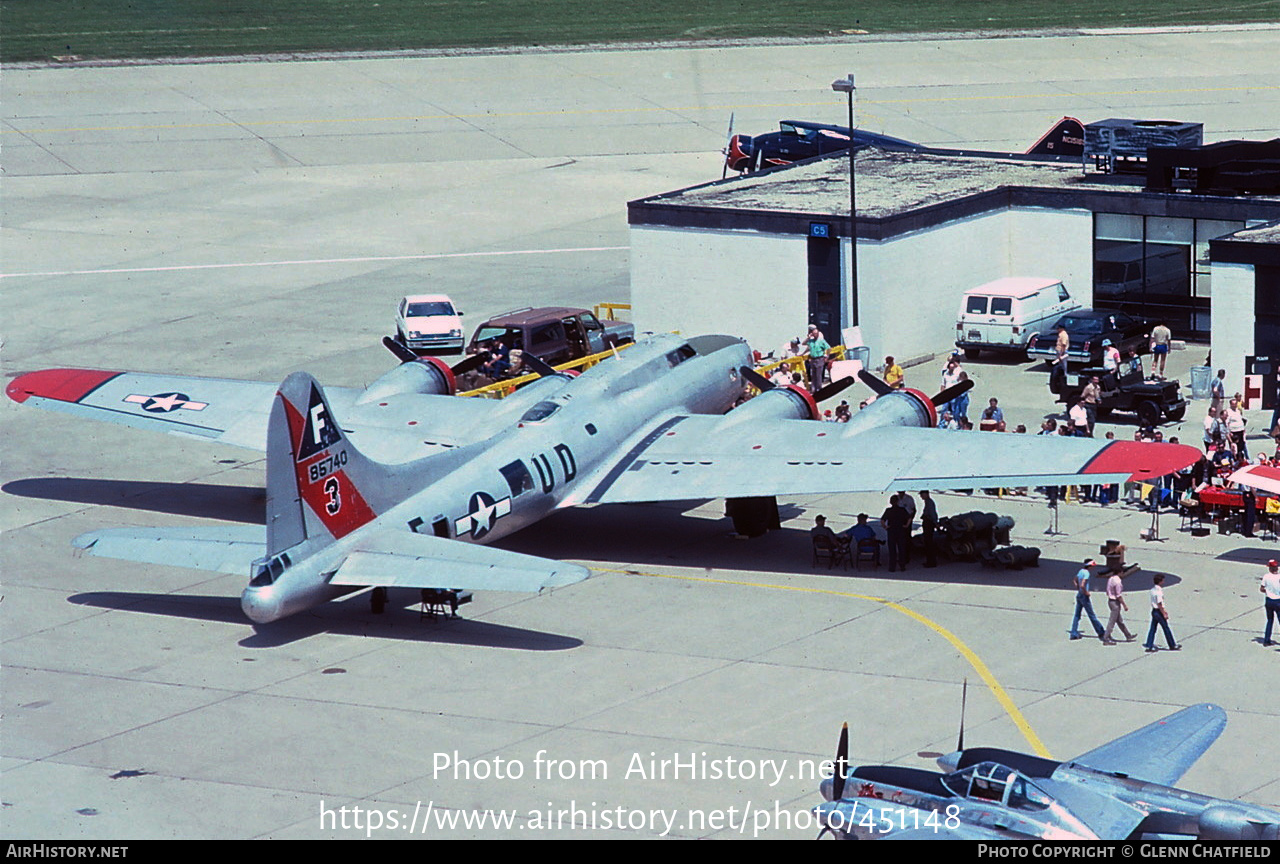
<point>404,560</point>
<point>222,549</point>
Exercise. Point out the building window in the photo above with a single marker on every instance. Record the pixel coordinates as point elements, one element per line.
<point>1156,267</point>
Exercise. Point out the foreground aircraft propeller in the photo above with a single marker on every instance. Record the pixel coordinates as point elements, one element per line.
<point>842,763</point>
<point>764,385</point>
<point>881,388</point>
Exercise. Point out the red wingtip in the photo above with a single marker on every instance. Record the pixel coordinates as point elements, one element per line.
<point>1143,460</point>
<point>64,385</point>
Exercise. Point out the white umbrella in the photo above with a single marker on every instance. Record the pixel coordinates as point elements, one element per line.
<point>1264,477</point>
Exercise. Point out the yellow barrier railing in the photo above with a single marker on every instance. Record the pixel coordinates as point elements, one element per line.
<point>606,310</point>
<point>506,387</point>
<point>800,364</point>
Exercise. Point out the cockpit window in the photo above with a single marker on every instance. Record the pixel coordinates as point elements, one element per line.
<point>681,354</point>
<point>540,411</point>
<point>990,781</point>
<point>265,571</point>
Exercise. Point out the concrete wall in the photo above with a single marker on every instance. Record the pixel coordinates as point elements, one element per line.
<point>754,285</point>
<point>743,283</point>
<point>1232,307</point>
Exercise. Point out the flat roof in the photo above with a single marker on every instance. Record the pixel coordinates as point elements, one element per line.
<point>1015,286</point>
<point>898,192</point>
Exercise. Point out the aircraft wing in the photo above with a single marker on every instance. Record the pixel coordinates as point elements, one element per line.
<point>702,456</point>
<point>223,549</point>
<point>400,559</point>
<point>233,412</point>
<point>1162,751</point>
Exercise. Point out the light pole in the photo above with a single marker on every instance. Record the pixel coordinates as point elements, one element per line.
<point>845,85</point>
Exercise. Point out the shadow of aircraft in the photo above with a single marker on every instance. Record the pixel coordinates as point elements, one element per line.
<point>346,617</point>
<point>203,500</point>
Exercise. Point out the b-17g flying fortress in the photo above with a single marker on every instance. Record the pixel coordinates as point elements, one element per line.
<point>223,674</point>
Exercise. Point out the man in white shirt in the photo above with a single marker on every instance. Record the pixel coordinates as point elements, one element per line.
<point>1160,616</point>
<point>1271,588</point>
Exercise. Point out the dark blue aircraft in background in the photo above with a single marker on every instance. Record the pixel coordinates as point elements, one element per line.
<point>798,139</point>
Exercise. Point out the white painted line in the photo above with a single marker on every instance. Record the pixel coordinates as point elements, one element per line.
<point>315,261</point>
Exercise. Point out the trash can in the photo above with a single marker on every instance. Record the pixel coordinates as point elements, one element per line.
<point>1201,377</point>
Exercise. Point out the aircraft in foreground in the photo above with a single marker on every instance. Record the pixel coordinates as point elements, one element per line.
<point>1120,790</point>
<point>400,484</point>
<point>800,139</point>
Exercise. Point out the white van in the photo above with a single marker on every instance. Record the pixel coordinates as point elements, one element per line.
<point>1003,315</point>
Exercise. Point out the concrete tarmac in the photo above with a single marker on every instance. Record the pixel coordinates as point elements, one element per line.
<point>245,220</point>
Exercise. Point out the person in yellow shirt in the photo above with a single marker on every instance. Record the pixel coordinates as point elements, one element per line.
<point>893,375</point>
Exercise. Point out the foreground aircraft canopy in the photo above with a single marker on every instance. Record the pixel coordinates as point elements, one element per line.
<point>1120,790</point>
<point>400,484</point>
<point>798,139</point>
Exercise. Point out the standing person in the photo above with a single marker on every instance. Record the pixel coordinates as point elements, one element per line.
<point>1083,603</point>
<point>893,374</point>
<point>1212,430</point>
<point>895,521</point>
<point>1060,349</point>
<point>929,522</point>
<point>960,404</point>
<point>1115,602</point>
<point>1161,338</point>
<point>951,377</point>
<point>1079,418</point>
<point>1271,588</point>
<point>1218,390</point>
<point>1233,421</point>
<point>818,348</point>
<point>906,502</point>
<point>1160,616</point>
<point>1091,398</point>
<point>1110,357</point>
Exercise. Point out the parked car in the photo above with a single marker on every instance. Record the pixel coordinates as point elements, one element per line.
<point>555,334</point>
<point>1088,329</point>
<point>428,323</point>
<point>1003,315</point>
<point>1129,391</point>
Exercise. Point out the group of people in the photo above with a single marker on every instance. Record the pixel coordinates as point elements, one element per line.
<point>1116,571</point>
<point>897,521</point>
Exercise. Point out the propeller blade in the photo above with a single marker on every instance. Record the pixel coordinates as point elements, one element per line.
<point>833,388</point>
<point>951,392</point>
<point>757,380</point>
<point>401,351</point>
<point>964,696</point>
<point>874,383</point>
<point>842,765</point>
<point>467,364</point>
<point>724,169</point>
<point>537,365</point>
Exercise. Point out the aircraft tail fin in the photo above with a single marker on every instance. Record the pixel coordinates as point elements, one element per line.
<point>318,483</point>
<point>1064,138</point>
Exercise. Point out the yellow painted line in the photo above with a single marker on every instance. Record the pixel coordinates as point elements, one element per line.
<point>965,651</point>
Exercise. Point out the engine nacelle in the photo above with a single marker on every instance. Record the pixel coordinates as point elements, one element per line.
<point>791,402</point>
<point>428,375</point>
<point>1228,824</point>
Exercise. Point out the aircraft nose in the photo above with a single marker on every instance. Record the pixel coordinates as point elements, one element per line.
<point>260,605</point>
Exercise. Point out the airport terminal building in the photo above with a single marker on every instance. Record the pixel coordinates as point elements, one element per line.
<point>763,254</point>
